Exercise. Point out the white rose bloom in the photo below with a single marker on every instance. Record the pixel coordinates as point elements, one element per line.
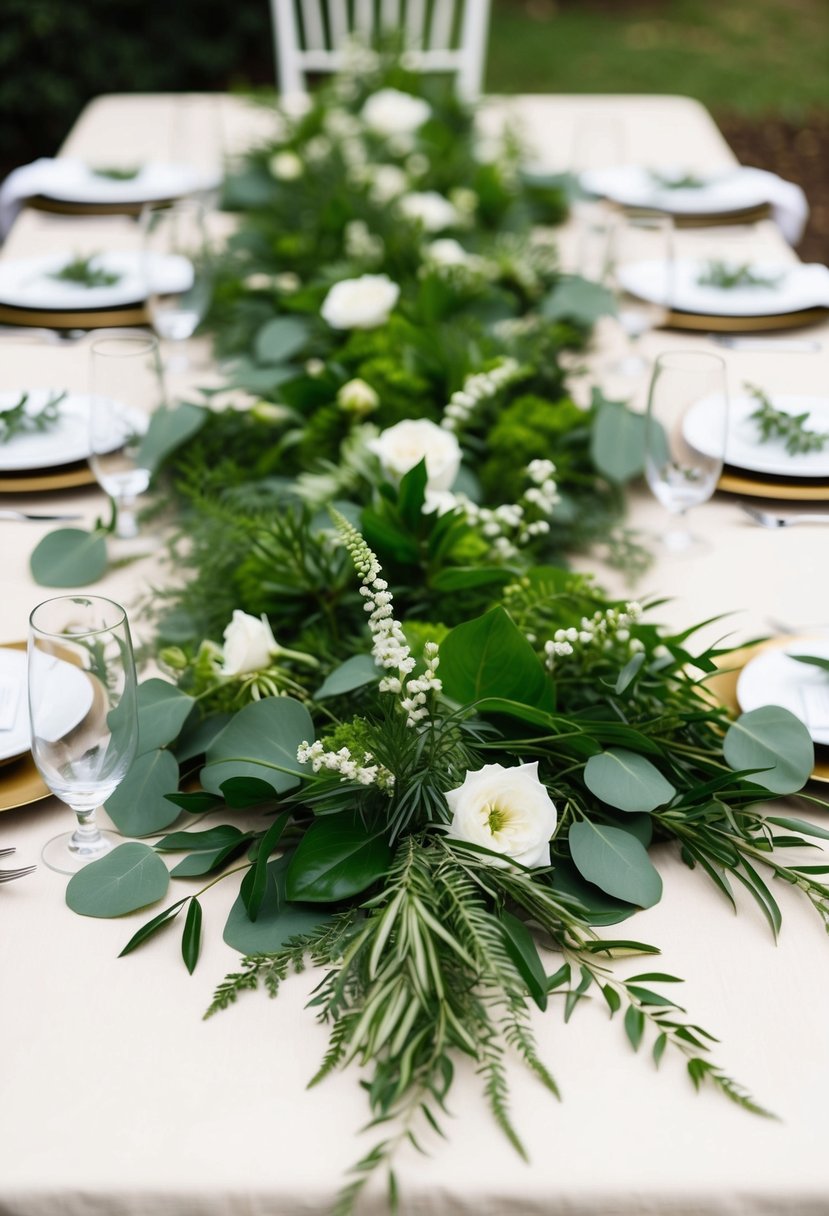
<point>387,182</point>
<point>447,252</point>
<point>248,644</point>
<point>362,303</point>
<point>430,209</point>
<point>402,446</point>
<point>357,397</point>
<point>440,501</point>
<point>285,166</point>
<point>506,810</point>
<point>390,112</point>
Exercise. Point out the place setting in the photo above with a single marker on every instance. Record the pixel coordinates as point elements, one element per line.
<point>20,782</point>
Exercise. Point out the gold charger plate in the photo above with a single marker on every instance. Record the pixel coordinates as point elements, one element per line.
<point>42,203</point>
<point>35,481</point>
<point>735,481</point>
<point>724,688</point>
<point>738,325</point>
<point>20,782</point>
<point>93,318</point>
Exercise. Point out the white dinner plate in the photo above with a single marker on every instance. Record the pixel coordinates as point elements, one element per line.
<point>14,707</point>
<point>796,287</point>
<point>743,448</point>
<point>773,678</point>
<point>636,186</point>
<point>64,442</point>
<point>28,282</point>
<point>72,181</point>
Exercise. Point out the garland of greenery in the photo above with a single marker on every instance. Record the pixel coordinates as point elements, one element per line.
<point>479,776</point>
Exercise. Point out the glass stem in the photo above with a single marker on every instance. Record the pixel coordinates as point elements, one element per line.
<point>126,525</point>
<point>87,832</point>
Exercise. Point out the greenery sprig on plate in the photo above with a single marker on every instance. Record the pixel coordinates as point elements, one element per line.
<point>84,273</point>
<point>791,429</point>
<point>117,173</point>
<point>729,275</point>
<point>19,419</point>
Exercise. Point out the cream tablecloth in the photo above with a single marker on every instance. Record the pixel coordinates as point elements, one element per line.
<point>116,1099</point>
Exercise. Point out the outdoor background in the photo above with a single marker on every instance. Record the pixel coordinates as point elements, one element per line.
<point>759,65</point>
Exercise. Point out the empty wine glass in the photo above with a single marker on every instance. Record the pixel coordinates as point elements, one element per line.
<point>125,390</point>
<point>176,269</point>
<point>83,713</point>
<point>685,434</point>
<point>641,267</point>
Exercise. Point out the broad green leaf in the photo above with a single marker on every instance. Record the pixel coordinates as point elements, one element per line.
<point>129,877</point>
<point>812,659</point>
<point>69,557</point>
<point>460,578</point>
<point>264,380</point>
<point>168,430</point>
<point>198,734</point>
<point>280,338</point>
<point>598,908</point>
<point>773,739</point>
<point>617,441</point>
<point>162,711</point>
<point>335,859</point>
<point>615,862</point>
<point>278,919</point>
<point>205,862</point>
<point>490,657</point>
<point>577,299</point>
<point>256,880</point>
<point>629,672</point>
<point>241,792</point>
<point>191,937</point>
<point>140,806</point>
<point>524,953</point>
<point>412,495</point>
<point>260,741</point>
<point>192,842</point>
<point>627,781</point>
<point>197,803</point>
<point>355,672</point>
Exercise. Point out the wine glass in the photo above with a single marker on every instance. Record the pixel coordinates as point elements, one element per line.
<point>125,389</point>
<point>83,714</point>
<point>641,269</point>
<point>179,286</point>
<point>685,434</point>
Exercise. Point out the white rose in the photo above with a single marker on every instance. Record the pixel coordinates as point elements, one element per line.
<point>362,303</point>
<point>447,252</point>
<point>285,166</point>
<point>506,810</point>
<point>248,644</point>
<point>430,209</point>
<point>357,397</point>
<point>390,112</point>
<point>387,182</point>
<point>402,446</point>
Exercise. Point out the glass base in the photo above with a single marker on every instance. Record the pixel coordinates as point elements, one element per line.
<point>69,853</point>
<point>679,542</point>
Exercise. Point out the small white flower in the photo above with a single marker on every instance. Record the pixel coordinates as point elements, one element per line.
<point>357,397</point>
<point>285,166</point>
<point>314,367</point>
<point>447,252</point>
<point>362,303</point>
<point>248,644</point>
<point>386,183</point>
<point>430,209</point>
<point>391,112</point>
<point>507,810</point>
<point>400,447</point>
<point>440,501</point>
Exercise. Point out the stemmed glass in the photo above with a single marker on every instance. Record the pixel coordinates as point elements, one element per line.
<point>685,434</point>
<point>125,389</point>
<point>641,271</point>
<point>83,713</point>
<point>177,306</point>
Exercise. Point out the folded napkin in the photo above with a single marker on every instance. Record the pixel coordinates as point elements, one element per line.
<point>23,183</point>
<point>788,202</point>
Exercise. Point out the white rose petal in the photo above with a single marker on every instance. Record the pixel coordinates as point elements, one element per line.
<point>440,501</point>
<point>248,644</point>
<point>430,209</point>
<point>357,397</point>
<point>387,182</point>
<point>401,447</point>
<point>447,252</point>
<point>390,112</point>
<point>362,303</point>
<point>507,810</point>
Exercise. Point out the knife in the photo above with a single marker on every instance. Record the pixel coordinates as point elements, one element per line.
<point>5,513</point>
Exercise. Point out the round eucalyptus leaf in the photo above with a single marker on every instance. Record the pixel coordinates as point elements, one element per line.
<point>260,741</point>
<point>69,557</point>
<point>130,877</point>
<point>277,921</point>
<point>615,862</point>
<point>162,711</point>
<point>774,740</point>
<point>627,781</point>
<point>355,672</point>
<point>140,806</point>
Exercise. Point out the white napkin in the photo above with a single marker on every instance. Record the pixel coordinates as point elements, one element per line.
<point>23,183</point>
<point>788,202</point>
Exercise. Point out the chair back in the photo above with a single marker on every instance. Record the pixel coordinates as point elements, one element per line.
<point>439,36</point>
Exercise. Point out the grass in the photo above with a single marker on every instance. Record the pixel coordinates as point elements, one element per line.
<point>755,57</point>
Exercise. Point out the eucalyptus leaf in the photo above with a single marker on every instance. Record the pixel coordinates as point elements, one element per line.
<point>277,921</point>
<point>260,741</point>
<point>170,428</point>
<point>336,858</point>
<point>162,711</point>
<point>617,441</point>
<point>598,908</point>
<point>577,299</point>
<point>459,578</point>
<point>281,338</point>
<point>140,806</point>
<point>241,792</point>
<point>204,862</point>
<point>130,877</point>
<point>219,837</point>
<point>490,657</point>
<point>355,672</point>
<point>627,781</point>
<point>69,557</point>
<point>198,734</point>
<point>615,862</point>
<point>773,740</point>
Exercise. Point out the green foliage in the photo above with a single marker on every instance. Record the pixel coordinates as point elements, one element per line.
<point>529,428</point>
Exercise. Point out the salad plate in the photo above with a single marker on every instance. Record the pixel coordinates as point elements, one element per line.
<point>744,448</point>
<point>782,288</point>
<point>63,442</point>
<point>678,190</point>
<point>123,278</point>
<point>73,181</point>
<point>774,677</point>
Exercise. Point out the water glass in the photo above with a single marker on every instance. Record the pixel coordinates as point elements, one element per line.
<point>177,303</point>
<point>83,714</point>
<point>683,460</point>
<point>641,274</point>
<point>125,389</point>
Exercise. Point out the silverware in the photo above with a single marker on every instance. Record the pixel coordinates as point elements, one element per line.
<point>5,513</point>
<point>769,520</point>
<point>40,332</point>
<point>772,344</point>
<point>10,875</point>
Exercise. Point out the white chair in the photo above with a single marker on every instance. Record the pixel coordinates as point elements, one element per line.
<point>440,35</point>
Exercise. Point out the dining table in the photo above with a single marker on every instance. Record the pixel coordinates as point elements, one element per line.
<point>117,1098</point>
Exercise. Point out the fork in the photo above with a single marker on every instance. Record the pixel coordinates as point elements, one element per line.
<point>768,520</point>
<point>6,513</point>
<point>10,875</point>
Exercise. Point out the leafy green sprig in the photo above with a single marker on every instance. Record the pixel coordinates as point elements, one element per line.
<point>18,419</point>
<point>84,273</point>
<point>790,429</point>
<point>728,275</point>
